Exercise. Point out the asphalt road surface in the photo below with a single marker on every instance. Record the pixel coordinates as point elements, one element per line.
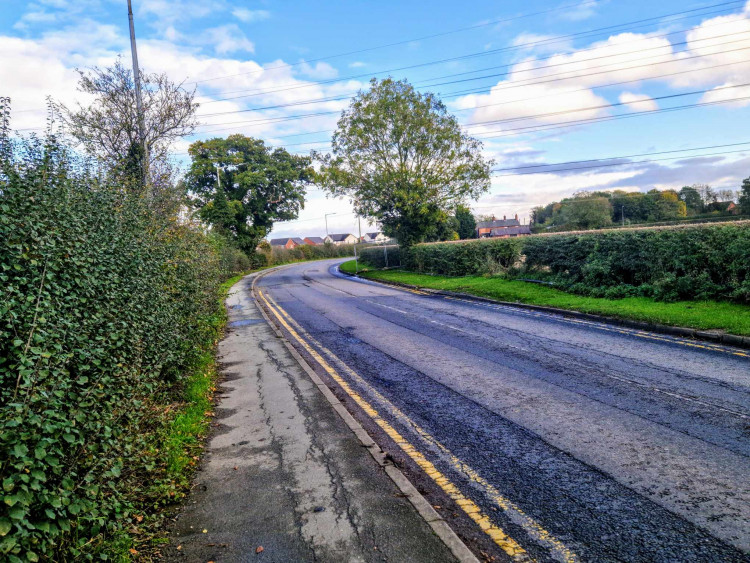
<point>539,437</point>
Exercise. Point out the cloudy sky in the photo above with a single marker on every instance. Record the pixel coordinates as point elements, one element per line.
<point>594,87</point>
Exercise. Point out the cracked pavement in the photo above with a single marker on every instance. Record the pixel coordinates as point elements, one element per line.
<point>283,471</point>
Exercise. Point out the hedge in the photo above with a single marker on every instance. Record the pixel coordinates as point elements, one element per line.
<point>696,262</point>
<point>103,303</point>
<point>669,263</point>
<point>379,256</point>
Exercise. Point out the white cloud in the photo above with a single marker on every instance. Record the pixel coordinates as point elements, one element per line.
<point>357,64</point>
<point>227,39</point>
<point>248,16</point>
<point>318,71</point>
<point>584,10</point>
<point>638,102</point>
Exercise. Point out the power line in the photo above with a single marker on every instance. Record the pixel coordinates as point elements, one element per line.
<point>545,127</point>
<point>489,122</point>
<point>602,106</point>
<point>643,23</point>
<point>570,162</point>
<point>527,99</point>
<point>526,82</point>
<point>404,41</point>
<point>611,164</point>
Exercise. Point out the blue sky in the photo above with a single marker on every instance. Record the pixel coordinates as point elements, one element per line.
<point>526,67</point>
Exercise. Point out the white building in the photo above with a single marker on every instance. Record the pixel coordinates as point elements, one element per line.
<point>374,238</point>
<point>341,239</point>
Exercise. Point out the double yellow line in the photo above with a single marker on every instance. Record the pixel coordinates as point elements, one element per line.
<point>472,510</point>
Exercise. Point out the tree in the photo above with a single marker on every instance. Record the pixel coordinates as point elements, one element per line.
<point>467,225</point>
<point>108,129</point>
<point>744,199</point>
<point>692,199</point>
<point>403,160</point>
<point>259,185</point>
<point>584,213</point>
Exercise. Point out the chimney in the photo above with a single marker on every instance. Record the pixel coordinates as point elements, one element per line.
<point>516,216</point>
<point>503,217</point>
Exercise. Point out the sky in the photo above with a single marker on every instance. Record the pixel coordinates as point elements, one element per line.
<point>590,88</point>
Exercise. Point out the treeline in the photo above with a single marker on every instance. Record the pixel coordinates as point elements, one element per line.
<point>594,210</point>
<point>666,263</point>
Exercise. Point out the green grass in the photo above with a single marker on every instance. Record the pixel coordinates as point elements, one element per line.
<point>704,315</point>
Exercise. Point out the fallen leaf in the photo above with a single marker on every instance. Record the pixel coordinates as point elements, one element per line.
<point>259,549</point>
<point>139,518</point>
<point>205,531</point>
<point>133,551</point>
<point>235,468</point>
<point>179,547</point>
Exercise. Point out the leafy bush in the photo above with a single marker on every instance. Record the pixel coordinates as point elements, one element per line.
<point>102,304</point>
<point>476,257</point>
<point>376,256</point>
<point>691,262</point>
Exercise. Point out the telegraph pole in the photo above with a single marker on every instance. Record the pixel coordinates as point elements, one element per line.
<point>138,100</point>
<point>356,261</point>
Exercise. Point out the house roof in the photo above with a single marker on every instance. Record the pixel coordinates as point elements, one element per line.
<point>340,237</point>
<point>498,223</point>
<point>520,230</point>
<point>279,241</point>
<point>373,235</point>
<point>284,241</point>
<point>315,240</point>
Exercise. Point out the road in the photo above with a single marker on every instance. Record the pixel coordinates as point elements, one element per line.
<point>539,437</point>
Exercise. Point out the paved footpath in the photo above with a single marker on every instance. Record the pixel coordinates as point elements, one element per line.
<point>284,472</point>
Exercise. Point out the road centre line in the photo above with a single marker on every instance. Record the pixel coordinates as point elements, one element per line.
<point>647,386</point>
<point>515,514</point>
<point>593,324</point>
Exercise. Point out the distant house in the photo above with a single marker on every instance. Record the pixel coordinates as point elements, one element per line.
<point>314,241</point>
<point>728,207</point>
<point>341,239</point>
<point>288,243</point>
<point>505,232</point>
<point>502,228</point>
<point>374,238</point>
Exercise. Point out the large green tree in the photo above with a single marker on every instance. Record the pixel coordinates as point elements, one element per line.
<point>692,198</point>
<point>403,160</point>
<point>467,225</point>
<point>744,199</point>
<point>259,185</point>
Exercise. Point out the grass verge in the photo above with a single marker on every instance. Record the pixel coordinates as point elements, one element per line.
<point>703,315</point>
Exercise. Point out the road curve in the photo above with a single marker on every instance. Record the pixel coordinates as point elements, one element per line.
<point>540,437</point>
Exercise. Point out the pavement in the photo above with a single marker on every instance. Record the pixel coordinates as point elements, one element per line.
<point>539,437</point>
<point>285,478</point>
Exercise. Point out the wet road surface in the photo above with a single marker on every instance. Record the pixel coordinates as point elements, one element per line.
<point>563,439</point>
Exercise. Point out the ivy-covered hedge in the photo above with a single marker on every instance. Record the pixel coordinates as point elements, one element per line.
<point>103,302</point>
<point>696,262</point>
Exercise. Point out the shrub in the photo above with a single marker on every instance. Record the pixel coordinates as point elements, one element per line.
<point>690,262</point>
<point>380,256</point>
<point>102,304</point>
<point>475,257</point>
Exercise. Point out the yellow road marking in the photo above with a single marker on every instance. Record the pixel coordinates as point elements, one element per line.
<point>533,528</point>
<point>503,540</point>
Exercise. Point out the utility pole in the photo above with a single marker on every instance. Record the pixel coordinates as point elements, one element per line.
<point>326,218</point>
<point>622,211</point>
<point>138,99</point>
<point>356,262</point>
<point>218,179</point>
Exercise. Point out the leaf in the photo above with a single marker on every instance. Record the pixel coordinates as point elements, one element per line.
<point>5,526</point>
